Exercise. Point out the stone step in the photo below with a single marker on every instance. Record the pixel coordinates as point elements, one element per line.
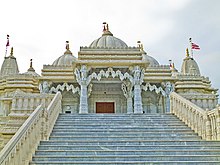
<point>124,139</point>
<point>133,142</point>
<point>126,162</point>
<point>121,127</point>
<point>68,156</point>
<point>116,138</point>
<point>128,147</point>
<point>106,115</point>
<point>120,132</point>
<point>119,123</point>
<point>123,134</point>
<point>77,117</point>
<point>72,129</point>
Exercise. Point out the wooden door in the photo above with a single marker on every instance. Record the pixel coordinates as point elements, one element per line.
<point>105,107</point>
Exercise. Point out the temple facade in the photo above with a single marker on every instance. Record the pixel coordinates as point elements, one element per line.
<point>108,76</point>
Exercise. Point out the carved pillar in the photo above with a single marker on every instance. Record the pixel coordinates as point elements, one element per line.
<point>83,80</point>
<point>137,99</point>
<point>127,90</point>
<point>137,81</point>
<point>6,107</point>
<point>83,106</point>
<point>168,89</point>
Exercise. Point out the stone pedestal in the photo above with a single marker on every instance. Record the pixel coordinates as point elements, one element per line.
<point>83,107</point>
<point>137,99</point>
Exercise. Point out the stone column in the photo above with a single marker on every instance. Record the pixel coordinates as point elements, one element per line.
<point>83,80</point>
<point>137,99</point>
<point>83,106</point>
<point>127,90</point>
<point>129,105</point>
<point>137,81</point>
<point>168,89</point>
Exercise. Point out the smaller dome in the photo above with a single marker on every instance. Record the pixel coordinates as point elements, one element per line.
<point>190,66</point>
<point>31,70</point>
<point>107,40</point>
<point>9,65</point>
<point>151,60</point>
<point>66,59</point>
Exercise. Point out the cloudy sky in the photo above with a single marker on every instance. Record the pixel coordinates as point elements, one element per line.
<point>39,29</point>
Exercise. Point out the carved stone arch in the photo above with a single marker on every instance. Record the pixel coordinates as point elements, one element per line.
<point>110,72</point>
<point>149,87</point>
<point>65,86</point>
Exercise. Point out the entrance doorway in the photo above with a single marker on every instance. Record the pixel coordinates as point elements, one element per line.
<point>105,107</point>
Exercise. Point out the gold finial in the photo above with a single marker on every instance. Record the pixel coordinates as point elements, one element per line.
<point>67,45</point>
<point>187,52</point>
<point>12,51</point>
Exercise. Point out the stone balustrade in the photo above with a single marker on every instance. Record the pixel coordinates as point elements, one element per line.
<point>29,101</point>
<point>37,127</point>
<point>205,123</point>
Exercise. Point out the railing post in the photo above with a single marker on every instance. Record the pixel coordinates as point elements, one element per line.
<point>208,131</point>
<point>218,124</point>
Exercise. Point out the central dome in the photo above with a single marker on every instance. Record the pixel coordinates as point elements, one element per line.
<point>107,40</point>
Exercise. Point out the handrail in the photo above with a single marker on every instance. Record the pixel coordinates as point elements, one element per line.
<point>205,123</point>
<point>5,152</point>
<point>37,127</point>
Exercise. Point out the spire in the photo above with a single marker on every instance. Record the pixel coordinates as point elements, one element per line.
<point>31,69</point>
<point>67,48</point>
<point>67,45</point>
<point>12,51</point>
<point>187,52</point>
<point>106,29</point>
<point>7,45</point>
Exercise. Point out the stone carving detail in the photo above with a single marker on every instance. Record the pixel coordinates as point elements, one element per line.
<point>90,89</point>
<point>137,81</point>
<point>126,87</point>
<point>149,87</point>
<point>44,87</point>
<point>138,75</point>
<point>111,72</point>
<point>169,87</point>
<point>65,86</point>
<point>83,80</point>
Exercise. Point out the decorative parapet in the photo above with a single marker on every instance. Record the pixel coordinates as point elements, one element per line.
<point>205,123</point>
<point>205,101</point>
<point>86,48</point>
<point>159,67</point>
<point>29,101</point>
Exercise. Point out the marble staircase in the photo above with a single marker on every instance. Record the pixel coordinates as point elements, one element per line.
<point>124,139</point>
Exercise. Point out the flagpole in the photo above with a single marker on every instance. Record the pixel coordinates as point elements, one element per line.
<point>190,43</point>
<point>7,44</point>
